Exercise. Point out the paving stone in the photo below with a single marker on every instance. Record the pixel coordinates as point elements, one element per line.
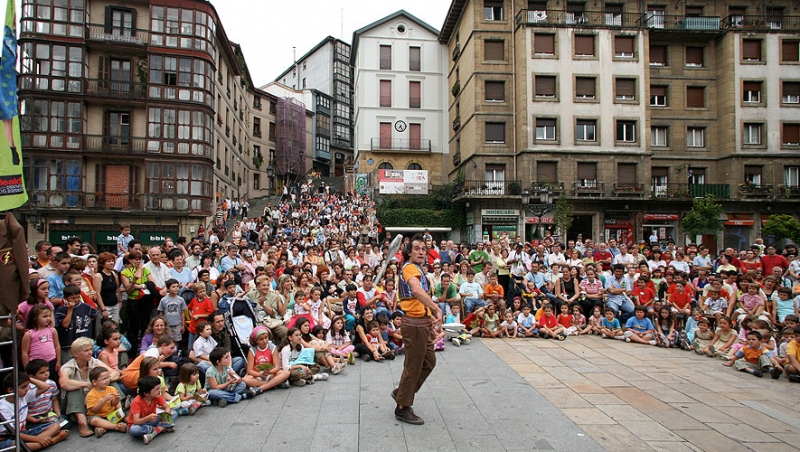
<point>587,416</point>
<point>639,399</point>
<point>743,433</point>
<point>671,446</point>
<point>565,398</point>
<point>603,399</point>
<point>675,420</point>
<point>710,440</point>
<point>650,430</point>
<point>704,413</point>
<point>616,438</point>
<point>622,413</point>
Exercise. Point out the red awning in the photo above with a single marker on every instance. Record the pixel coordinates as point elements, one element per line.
<point>661,216</point>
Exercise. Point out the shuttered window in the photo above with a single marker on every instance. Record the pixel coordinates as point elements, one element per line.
<point>414,99</point>
<point>545,86</point>
<point>544,44</point>
<point>623,46</point>
<point>547,172</point>
<point>751,49</point>
<point>494,50</point>
<point>386,93</point>
<point>386,57</point>
<point>626,88</point>
<point>695,97</point>
<point>626,173</point>
<point>751,92</point>
<point>791,134</point>
<point>660,172</point>
<point>658,96</point>
<point>587,171</point>
<point>584,45</point>
<point>414,59</point>
<point>495,91</point>
<point>585,88</point>
<point>790,51</point>
<point>658,55</point>
<point>386,135</point>
<point>495,132</point>
<point>791,90</point>
<point>694,56</point>
<point>415,136</point>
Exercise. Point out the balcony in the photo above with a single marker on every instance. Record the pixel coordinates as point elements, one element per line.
<point>456,51</point>
<point>400,144</point>
<point>629,190</point>
<point>457,123</point>
<point>550,18</point>
<point>51,199</point>
<point>456,88</point>
<point>115,144</point>
<point>589,188</point>
<point>321,154</point>
<point>117,35</point>
<point>686,191</point>
<point>457,158</point>
<point>116,89</point>
<point>679,23</point>
<point>556,187</point>
<point>175,203</point>
<point>756,191</point>
<point>48,83</point>
<point>789,191</point>
<point>257,133</point>
<point>341,141</point>
<point>103,201</point>
<point>761,23</point>
<point>472,188</point>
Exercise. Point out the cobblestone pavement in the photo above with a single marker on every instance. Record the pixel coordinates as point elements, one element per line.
<point>635,397</point>
<point>472,401</point>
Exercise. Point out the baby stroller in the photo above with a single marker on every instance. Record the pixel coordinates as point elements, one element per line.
<point>240,320</point>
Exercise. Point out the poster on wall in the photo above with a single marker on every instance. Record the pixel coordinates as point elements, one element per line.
<point>409,182</point>
<point>362,184</point>
<point>12,184</point>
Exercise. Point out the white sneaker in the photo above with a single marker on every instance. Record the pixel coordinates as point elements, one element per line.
<point>456,342</point>
<point>652,342</point>
<point>322,376</point>
<point>604,336</point>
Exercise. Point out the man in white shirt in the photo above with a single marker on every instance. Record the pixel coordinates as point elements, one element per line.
<point>482,277</point>
<point>556,256</point>
<point>159,271</point>
<point>624,257</point>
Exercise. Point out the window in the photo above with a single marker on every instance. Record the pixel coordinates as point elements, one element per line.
<point>751,134</point>
<point>323,124</point>
<point>752,175</point>
<point>55,175</point>
<point>613,15</point>
<point>659,136</point>
<point>658,55</point>
<point>183,28</point>
<point>736,16</point>
<point>386,135</point>
<point>52,124</point>
<point>623,46</point>
<point>386,57</point>
<point>545,86</point>
<point>492,10</point>
<point>257,127</point>
<point>185,79</point>
<point>495,91</point>
<point>791,134</point>
<point>695,137</point>
<point>545,129</point>
<point>658,96</point>
<point>697,176</point>
<point>386,166</point>
<point>791,176</point>
<point>751,92</point>
<point>660,181</point>
<point>587,174</point>
<point>65,18</point>
<point>694,57</point>
<point>626,174</point>
<point>790,51</point>
<point>585,130</point>
<point>272,131</point>
<point>175,179</point>
<point>414,167</point>
<point>584,45</point>
<point>494,176</point>
<point>256,181</point>
<point>585,88</point>
<point>791,93</point>
<point>626,89</point>
<point>695,97</point>
<point>751,50</point>
<point>415,136</point>
<point>414,59</point>
<point>414,96</point>
<point>576,13</point>
<point>183,131</point>
<point>495,132</point>
<point>58,67</point>
<point>626,131</point>
<point>655,17</point>
<point>386,93</point>
<point>546,172</point>
<point>494,50</point>
<point>544,44</point>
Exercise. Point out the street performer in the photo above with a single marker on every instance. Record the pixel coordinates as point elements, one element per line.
<point>422,316</point>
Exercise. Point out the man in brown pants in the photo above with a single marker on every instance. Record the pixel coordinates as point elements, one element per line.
<point>422,315</point>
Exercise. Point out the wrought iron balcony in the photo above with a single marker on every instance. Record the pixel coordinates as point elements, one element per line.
<point>471,188</point>
<point>400,144</point>
<point>116,89</point>
<point>457,123</point>
<point>117,35</point>
<point>629,190</point>
<point>761,23</point>
<point>61,84</point>
<point>685,191</point>
<point>680,23</point>
<point>57,200</point>
<point>756,191</point>
<point>789,191</point>
<point>105,201</point>
<point>115,144</point>
<point>549,18</point>
<point>589,187</point>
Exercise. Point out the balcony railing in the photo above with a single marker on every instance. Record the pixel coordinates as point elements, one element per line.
<point>50,83</point>
<point>51,199</point>
<point>116,89</point>
<point>629,190</point>
<point>457,123</point>
<point>489,188</point>
<point>589,187</point>
<point>789,191</point>
<point>341,141</point>
<point>549,18</point>
<point>115,144</point>
<point>761,23</point>
<point>117,35</point>
<point>457,158</point>
<point>456,51</point>
<point>556,187</point>
<point>400,144</point>
<point>680,23</point>
<point>104,201</point>
<point>756,191</point>
<point>683,191</point>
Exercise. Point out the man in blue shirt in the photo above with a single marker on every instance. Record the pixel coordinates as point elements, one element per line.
<point>540,281</point>
<point>615,294</point>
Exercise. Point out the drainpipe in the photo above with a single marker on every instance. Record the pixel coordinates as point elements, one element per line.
<point>514,88</point>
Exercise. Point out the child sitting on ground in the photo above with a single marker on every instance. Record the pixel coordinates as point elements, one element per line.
<point>463,335</point>
<point>395,336</point>
<point>491,320</point>
<point>724,339</point>
<point>611,328</point>
<point>103,404</point>
<point>143,419</point>
<point>42,398</point>
<point>595,322</point>
<point>565,320</point>
<point>37,437</point>
<point>715,306</point>
<point>190,391</point>
<point>509,326</point>
<point>771,352</point>
<point>263,359</point>
<point>578,321</point>
<point>688,331</point>
<point>549,326</point>
<point>526,322</point>
<point>702,338</point>
<point>665,328</point>
<point>639,328</point>
<point>751,358</point>
<point>222,383</point>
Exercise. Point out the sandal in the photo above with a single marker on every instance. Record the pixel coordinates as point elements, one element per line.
<point>99,431</point>
<point>123,428</point>
<point>85,431</point>
<point>61,436</point>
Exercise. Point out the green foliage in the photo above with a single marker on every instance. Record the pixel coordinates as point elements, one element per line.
<point>432,210</point>
<point>782,227</point>
<point>703,217</point>
<point>562,215</point>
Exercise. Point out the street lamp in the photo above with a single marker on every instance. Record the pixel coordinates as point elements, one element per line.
<point>545,205</point>
<point>270,176</point>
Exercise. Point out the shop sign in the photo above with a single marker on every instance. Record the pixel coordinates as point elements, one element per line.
<point>618,223</point>
<point>537,220</point>
<point>156,237</point>
<point>60,237</point>
<point>500,212</point>
<point>661,216</point>
<point>106,237</point>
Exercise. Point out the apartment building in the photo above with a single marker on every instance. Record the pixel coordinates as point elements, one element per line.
<point>326,73</point>
<point>628,109</point>
<point>135,112</point>
<point>401,96</point>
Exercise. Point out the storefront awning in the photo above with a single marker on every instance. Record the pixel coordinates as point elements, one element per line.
<point>661,217</point>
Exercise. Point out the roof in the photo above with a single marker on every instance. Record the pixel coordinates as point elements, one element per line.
<point>390,17</point>
<point>308,54</point>
<point>450,21</point>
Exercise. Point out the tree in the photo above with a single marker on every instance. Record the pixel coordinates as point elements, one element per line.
<point>782,227</point>
<point>703,217</point>
<point>562,216</point>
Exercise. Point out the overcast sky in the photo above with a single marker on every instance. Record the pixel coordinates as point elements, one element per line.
<point>268,29</point>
